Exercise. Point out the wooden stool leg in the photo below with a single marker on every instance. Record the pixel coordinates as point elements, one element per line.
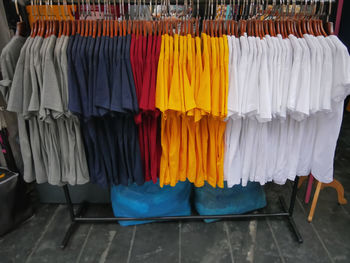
<point>340,190</point>
<point>314,201</point>
<point>309,189</point>
<point>302,179</point>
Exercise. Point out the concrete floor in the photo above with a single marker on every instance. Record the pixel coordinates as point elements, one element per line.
<point>326,239</point>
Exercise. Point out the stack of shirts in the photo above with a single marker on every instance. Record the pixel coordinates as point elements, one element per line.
<point>50,137</point>
<point>285,105</point>
<point>192,84</point>
<point>144,55</point>
<point>102,93</point>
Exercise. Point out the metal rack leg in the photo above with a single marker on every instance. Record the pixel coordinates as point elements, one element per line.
<point>69,202</point>
<point>294,196</point>
<point>74,224</point>
<point>290,210</point>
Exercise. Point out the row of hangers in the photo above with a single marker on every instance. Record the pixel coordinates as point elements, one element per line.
<point>254,17</point>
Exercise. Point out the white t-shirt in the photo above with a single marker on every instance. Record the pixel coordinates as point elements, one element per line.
<point>279,175</point>
<point>232,160</point>
<point>341,71</point>
<point>294,74</point>
<point>242,71</point>
<point>313,61</point>
<point>233,108</point>
<point>328,124</point>
<point>303,90</point>
<point>264,86</point>
<point>250,103</point>
<point>326,75</point>
<point>287,69</point>
<point>272,71</point>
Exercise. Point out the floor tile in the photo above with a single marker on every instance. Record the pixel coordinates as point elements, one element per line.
<point>156,242</point>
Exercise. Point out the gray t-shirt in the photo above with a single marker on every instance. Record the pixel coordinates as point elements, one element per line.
<point>15,98</point>
<point>51,98</point>
<point>27,81</point>
<point>15,104</point>
<point>8,60</point>
<point>36,81</point>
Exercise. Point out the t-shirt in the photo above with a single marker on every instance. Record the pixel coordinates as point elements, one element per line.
<point>8,60</point>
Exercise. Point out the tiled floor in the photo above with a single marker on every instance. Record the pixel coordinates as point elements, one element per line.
<point>326,239</point>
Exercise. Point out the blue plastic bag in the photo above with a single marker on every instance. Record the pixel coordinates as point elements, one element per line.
<point>150,200</point>
<point>223,201</point>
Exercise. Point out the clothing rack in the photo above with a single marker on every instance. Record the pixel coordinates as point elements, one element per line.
<point>285,212</point>
<point>78,217</point>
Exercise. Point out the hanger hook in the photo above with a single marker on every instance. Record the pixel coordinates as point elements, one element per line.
<point>17,11</point>
<point>329,10</point>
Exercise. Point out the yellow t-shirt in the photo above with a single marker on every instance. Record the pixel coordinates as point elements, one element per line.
<point>203,100</point>
<point>226,61</point>
<point>175,96</point>
<point>222,85</point>
<point>166,70</point>
<point>160,88</point>
<point>198,68</point>
<point>215,80</point>
<point>188,86</point>
<point>164,178</point>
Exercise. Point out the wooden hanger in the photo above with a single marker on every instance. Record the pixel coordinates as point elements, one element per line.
<point>298,27</point>
<point>257,29</point>
<point>220,28</point>
<point>278,27</point>
<point>94,28</point>
<point>46,28</point>
<point>235,28</point>
<point>211,25</point>
<point>34,29</point>
<point>74,27</point>
<point>65,20</point>
<point>272,28</point>
<point>323,31</point>
<point>104,27</point>
<point>229,27</point>
<point>261,28</point>
<point>54,27</point>
<point>83,27</point>
<point>129,26</point>
<point>120,29</point>
<point>243,27</point>
<point>295,28</point>
<point>124,27</point>
<point>113,31</point>
<point>87,27</point>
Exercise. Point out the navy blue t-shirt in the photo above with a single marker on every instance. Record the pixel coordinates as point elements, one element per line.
<point>116,103</point>
<point>102,89</point>
<point>130,75</point>
<point>74,102</point>
<point>92,99</point>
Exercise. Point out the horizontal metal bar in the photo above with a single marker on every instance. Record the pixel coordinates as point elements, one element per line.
<point>167,218</point>
<point>180,2</point>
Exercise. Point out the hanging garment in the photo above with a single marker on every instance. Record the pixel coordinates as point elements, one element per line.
<point>50,140</point>
<point>300,85</point>
<point>100,73</point>
<point>192,113</point>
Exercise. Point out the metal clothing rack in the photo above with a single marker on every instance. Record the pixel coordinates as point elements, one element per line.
<point>78,217</point>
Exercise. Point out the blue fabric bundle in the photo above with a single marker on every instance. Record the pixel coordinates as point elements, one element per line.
<point>222,201</point>
<point>150,200</point>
